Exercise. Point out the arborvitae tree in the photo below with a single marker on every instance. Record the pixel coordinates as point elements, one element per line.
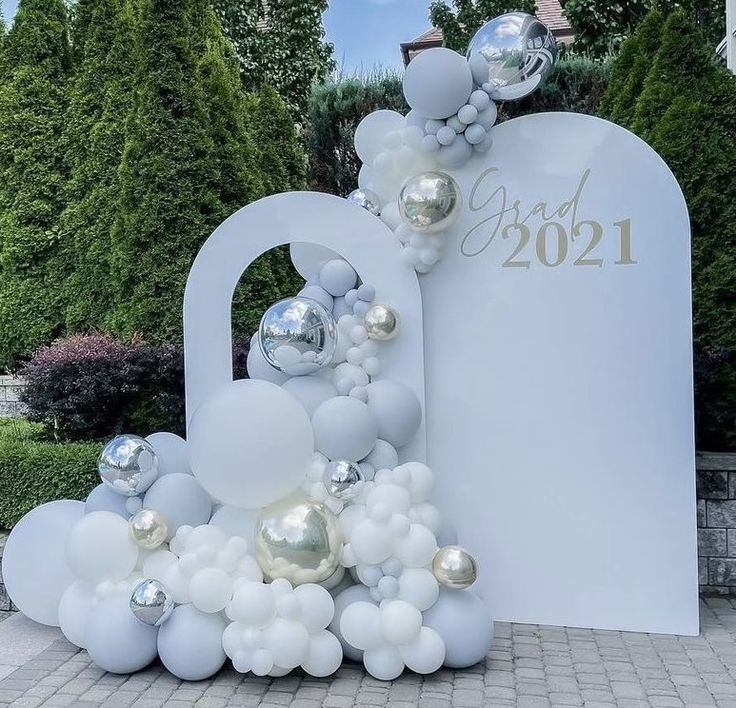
<point>458,25</point>
<point>100,102</point>
<point>32,114</point>
<point>281,43</point>
<point>631,68</point>
<point>681,63</point>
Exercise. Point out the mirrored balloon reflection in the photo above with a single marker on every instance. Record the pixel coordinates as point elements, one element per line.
<point>151,603</point>
<point>454,567</point>
<point>298,539</point>
<point>128,465</point>
<point>298,336</point>
<point>430,202</point>
<point>512,55</point>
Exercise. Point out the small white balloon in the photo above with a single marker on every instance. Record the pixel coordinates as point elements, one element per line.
<point>419,588</point>
<point>426,653</point>
<point>383,456</point>
<point>210,590</point>
<point>288,642</point>
<point>74,611</point>
<point>384,662</point>
<point>316,606</point>
<point>372,130</point>
<point>324,655</point>
<point>400,622</point>
<point>360,626</point>
<point>343,600</point>
<point>417,548</point>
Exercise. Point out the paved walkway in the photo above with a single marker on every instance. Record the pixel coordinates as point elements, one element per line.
<point>530,667</point>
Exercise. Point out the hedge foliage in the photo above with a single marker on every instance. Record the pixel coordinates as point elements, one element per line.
<point>126,137</point>
<point>34,471</point>
<point>685,107</point>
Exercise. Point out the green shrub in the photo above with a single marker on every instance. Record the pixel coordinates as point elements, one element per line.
<point>34,472</point>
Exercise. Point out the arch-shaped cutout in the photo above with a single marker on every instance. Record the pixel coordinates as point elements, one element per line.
<point>309,217</point>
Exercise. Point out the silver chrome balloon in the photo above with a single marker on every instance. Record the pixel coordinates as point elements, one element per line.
<point>148,528</point>
<point>512,55</point>
<point>365,199</point>
<point>151,603</point>
<point>430,202</point>
<point>128,465</point>
<point>343,479</point>
<point>298,336</point>
<point>298,539</point>
<point>454,567</point>
<point>381,322</point>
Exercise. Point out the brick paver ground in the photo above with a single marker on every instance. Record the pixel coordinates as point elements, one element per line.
<point>530,666</point>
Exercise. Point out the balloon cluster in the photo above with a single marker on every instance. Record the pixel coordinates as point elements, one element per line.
<point>452,99</point>
<point>290,529</point>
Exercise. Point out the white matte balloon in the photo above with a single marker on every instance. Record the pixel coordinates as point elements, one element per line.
<point>310,391</point>
<point>372,130</point>
<point>400,621</point>
<point>425,654</point>
<point>417,548</point>
<point>383,456</point>
<point>418,587</point>
<point>308,258</point>
<point>99,548</point>
<point>235,521</point>
<point>324,656</point>
<point>356,593</point>
<point>34,566</point>
<point>181,499</point>
<point>171,451</point>
<point>190,643</point>
<point>103,498</point>
<point>250,443</point>
<point>360,626</point>
<point>438,82</point>
<point>317,606</point>
<point>344,429</point>
<point>74,611</point>
<point>397,410</point>
<point>384,662</point>
<point>463,621</point>
<point>210,589</point>
<point>116,641</point>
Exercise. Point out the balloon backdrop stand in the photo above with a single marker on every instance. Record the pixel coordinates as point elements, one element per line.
<point>294,527</point>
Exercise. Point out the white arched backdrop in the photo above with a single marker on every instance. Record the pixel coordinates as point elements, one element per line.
<point>294,217</point>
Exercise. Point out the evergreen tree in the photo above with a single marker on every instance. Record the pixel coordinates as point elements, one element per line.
<point>32,114</point>
<point>460,22</point>
<point>100,101</point>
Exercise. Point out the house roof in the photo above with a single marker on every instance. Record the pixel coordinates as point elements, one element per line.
<point>548,11</point>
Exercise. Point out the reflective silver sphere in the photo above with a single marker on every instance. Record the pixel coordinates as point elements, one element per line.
<point>343,479</point>
<point>128,465</point>
<point>298,539</point>
<point>148,528</point>
<point>512,55</point>
<point>454,568</point>
<point>151,603</point>
<point>381,322</point>
<point>365,199</point>
<point>430,202</point>
<point>298,336</point>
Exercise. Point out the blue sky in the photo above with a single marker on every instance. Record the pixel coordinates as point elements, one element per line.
<point>366,33</point>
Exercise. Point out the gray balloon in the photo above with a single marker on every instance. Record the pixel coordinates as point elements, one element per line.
<point>463,621</point>
<point>181,499</point>
<point>190,643</point>
<point>397,410</point>
<point>356,593</point>
<point>116,641</point>
<point>102,498</point>
<point>344,429</point>
<point>512,55</point>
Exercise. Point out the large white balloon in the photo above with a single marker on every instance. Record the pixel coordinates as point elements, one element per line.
<point>397,410</point>
<point>34,566</point>
<point>171,451</point>
<point>310,391</point>
<point>308,258</point>
<point>371,131</point>
<point>103,498</point>
<point>99,547</point>
<point>463,621</point>
<point>250,443</point>
<point>344,429</point>
<point>74,611</point>
<point>190,643</point>
<point>235,521</point>
<point>116,641</point>
<point>438,82</point>
<point>356,593</point>
<point>181,499</point>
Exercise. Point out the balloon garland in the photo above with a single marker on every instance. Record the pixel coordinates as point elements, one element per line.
<point>289,530</point>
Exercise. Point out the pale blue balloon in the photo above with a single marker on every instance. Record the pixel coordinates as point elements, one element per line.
<point>102,498</point>
<point>190,643</point>
<point>397,410</point>
<point>181,499</point>
<point>344,429</point>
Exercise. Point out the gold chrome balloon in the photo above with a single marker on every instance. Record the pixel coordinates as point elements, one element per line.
<point>298,539</point>
<point>381,322</point>
<point>148,528</point>
<point>454,568</point>
<point>430,202</point>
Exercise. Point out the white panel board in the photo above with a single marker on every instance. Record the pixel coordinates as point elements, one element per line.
<point>559,378</point>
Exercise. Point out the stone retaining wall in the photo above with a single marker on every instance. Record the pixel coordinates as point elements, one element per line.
<point>5,604</point>
<point>10,390</point>
<point>717,522</point>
